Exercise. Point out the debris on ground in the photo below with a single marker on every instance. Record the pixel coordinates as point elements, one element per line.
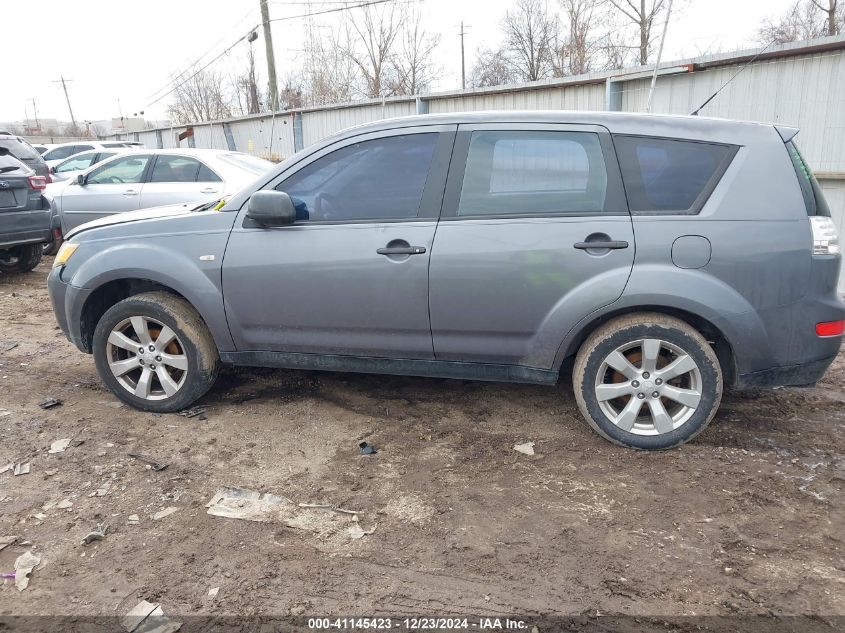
<point>114,404</point>
<point>24,565</point>
<point>50,472</point>
<point>3,469</point>
<point>64,504</point>
<point>192,412</point>
<point>148,617</point>
<point>10,574</point>
<point>59,446</point>
<point>133,519</point>
<point>21,468</point>
<point>4,413</point>
<point>8,346</point>
<point>5,541</point>
<point>367,449</point>
<point>158,516</point>
<point>526,448</point>
<point>212,593</point>
<point>97,534</point>
<point>49,403</point>
<point>326,506</point>
<point>356,531</point>
<point>151,461</point>
<point>102,491</point>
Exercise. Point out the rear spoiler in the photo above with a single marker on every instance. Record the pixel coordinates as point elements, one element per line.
<point>786,132</point>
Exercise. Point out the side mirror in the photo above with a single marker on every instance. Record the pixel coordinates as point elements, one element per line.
<point>80,179</point>
<point>53,169</point>
<point>271,208</point>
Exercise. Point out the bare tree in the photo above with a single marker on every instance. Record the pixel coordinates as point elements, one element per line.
<point>530,33</point>
<point>491,68</point>
<point>199,97</point>
<point>805,20</point>
<point>642,14</point>
<point>413,66</point>
<point>373,33</point>
<point>330,75</point>
<point>576,51</point>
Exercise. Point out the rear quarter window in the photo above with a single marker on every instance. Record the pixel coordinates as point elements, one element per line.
<point>669,175</point>
<point>814,199</point>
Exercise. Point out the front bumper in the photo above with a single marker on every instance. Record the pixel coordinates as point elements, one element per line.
<point>67,300</point>
<point>803,375</point>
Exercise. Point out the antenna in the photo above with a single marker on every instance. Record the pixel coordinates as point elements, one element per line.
<point>725,85</point>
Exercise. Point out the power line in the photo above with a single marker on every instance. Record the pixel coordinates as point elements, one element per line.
<point>335,10</point>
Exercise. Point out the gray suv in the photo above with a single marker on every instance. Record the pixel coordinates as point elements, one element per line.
<point>656,259</point>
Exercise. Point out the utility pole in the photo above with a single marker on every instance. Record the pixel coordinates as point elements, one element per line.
<point>35,111</point>
<point>659,56</point>
<point>463,61</point>
<point>271,59</point>
<point>64,87</point>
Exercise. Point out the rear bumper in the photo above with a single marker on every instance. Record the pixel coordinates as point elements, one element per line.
<point>803,375</point>
<point>24,227</point>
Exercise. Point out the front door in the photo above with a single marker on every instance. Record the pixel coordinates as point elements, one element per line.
<point>113,187</point>
<point>535,235</point>
<point>350,277</point>
<point>175,179</point>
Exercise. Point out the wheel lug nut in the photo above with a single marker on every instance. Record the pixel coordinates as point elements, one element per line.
<point>645,375</point>
<point>141,362</point>
<point>140,350</point>
<point>640,396</point>
<point>152,366</point>
<point>655,394</point>
<point>152,348</point>
<point>635,383</point>
<point>658,381</point>
<point>158,359</point>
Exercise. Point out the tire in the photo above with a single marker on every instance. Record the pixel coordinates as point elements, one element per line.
<point>625,403</point>
<point>51,248</point>
<point>172,375</point>
<point>20,259</point>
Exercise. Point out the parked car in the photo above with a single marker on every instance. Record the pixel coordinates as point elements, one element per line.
<point>136,179</point>
<point>657,259</point>
<point>69,168</point>
<point>16,146</point>
<point>24,216</point>
<point>42,147</point>
<point>65,150</point>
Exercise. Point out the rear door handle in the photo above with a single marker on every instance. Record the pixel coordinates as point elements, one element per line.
<point>401,250</point>
<point>130,192</point>
<point>611,244</point>
<point>208,190</point>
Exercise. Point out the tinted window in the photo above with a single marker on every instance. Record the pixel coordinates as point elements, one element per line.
<point>175,169</point>
<point>58,153</point>
<point>206,175</point>
<point>814,199</point>
<point>17,148</point>
<point>129,169</point>
<point>670,175</point>
<point>74,163</point>
<point>378,179</point>
<point>519,173</point>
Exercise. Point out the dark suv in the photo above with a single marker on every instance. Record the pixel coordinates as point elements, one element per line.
<point>655,258</point>
<point>24,216</point>
<point>24,152</point>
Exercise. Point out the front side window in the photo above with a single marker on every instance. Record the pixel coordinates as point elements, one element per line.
<point>378,179</point>
<point>80,161</point>
<point>129,169</point>
<point>533,172</point>
<point>669,175</point>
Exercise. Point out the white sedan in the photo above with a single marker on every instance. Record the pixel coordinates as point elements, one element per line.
<point>71,167</point>
<point>138,179</point>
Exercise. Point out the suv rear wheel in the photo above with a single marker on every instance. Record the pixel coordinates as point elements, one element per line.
<point>155,353</point>
<point>20,259</point>
<point>647,381</point>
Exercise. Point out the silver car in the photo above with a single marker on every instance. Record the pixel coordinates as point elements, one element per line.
<point>138,179</point>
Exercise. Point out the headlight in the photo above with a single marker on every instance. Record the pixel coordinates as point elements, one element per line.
<point>67,249</point>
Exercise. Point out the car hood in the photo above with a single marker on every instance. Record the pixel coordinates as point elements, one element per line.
<point>153,213</point>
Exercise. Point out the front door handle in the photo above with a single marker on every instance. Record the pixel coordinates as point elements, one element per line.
<point>130,192</point>
<point>610,244</point>
<point>401,250</point>
<point>208,190</point>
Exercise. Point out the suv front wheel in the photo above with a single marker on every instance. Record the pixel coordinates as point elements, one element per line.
<point>155,352</point>
<point>647,381</point>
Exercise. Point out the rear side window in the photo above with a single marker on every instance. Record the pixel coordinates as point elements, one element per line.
<point>61,152</point>
<point>530,172</point>
<point>814,200</point>
<point>668,175</point>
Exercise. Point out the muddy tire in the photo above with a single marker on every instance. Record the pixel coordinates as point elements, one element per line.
<point>20,259</point>
<point>647,381</point>
<point>155,353</point>
<point>51,248</point>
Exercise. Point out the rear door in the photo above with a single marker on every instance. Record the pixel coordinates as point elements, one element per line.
<point>534,236</point>
<point>175,179</point>
<point>113,187</point>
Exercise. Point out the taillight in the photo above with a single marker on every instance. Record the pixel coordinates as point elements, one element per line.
<point>830,328</point>
<point>37,182</point>
<point>825,236</point>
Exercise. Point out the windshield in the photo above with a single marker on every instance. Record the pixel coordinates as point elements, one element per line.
<point>249,163</point>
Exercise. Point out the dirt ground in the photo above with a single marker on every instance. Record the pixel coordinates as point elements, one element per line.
<point>748,519</point>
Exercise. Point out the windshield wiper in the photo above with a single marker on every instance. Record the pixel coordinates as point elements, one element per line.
<point>207,205</point>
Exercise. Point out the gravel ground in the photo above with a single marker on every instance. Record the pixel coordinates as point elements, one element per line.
<point>748,519</point>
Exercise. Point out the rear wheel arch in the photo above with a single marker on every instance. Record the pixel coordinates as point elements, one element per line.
<point>714,335</point>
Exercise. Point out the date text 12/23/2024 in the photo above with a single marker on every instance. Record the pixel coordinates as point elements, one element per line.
<point>418,624</point>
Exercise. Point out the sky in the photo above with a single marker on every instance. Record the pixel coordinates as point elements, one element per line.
<point>120,55</point>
